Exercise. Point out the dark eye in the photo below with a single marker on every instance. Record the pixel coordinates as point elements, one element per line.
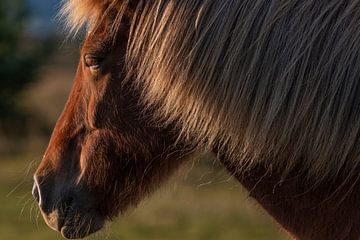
<point>93,62</point>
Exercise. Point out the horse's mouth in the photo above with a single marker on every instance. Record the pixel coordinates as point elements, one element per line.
<point>70,231</point>
<point>75,224</point>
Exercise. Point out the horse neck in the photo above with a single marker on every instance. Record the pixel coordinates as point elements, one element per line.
<point>320,212</point>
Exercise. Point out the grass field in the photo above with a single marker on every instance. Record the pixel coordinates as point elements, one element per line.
<point>201,203</point>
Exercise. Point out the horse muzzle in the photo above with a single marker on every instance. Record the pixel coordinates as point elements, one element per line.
<point>67,208</point>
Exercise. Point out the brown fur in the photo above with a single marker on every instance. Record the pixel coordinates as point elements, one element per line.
<point>322,212</point>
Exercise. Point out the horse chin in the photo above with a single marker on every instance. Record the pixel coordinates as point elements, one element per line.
<point>87,226</point>
<point>78,232</point>
<point>75,224</point>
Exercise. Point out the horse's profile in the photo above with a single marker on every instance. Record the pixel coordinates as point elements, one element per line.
<point>271,86</point>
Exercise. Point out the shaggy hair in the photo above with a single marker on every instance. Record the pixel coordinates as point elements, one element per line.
<point>272,82</point>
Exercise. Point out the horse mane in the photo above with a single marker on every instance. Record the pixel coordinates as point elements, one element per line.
<point>271,82</point>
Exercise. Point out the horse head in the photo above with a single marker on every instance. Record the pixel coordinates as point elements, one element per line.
<point>104,154</point>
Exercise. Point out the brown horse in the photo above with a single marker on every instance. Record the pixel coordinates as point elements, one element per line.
<point>272,87</point>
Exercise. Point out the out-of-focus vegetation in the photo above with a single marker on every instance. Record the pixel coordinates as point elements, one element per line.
<point>203,203</point>
<point>20,58</point>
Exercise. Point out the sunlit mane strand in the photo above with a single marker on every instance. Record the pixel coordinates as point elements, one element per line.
<point>88,13</point>
<point>272,82</point>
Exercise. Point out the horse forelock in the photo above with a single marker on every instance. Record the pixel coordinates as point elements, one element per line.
<point>275,82</point>
<point>88,13</point>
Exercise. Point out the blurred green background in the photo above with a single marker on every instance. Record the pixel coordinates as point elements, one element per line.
<point>36,70</point>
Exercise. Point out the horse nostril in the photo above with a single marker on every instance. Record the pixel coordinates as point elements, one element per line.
<point>68,202</point>
<point>35,191</point>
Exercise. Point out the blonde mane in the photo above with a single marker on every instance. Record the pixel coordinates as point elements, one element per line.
<point>271,82</point>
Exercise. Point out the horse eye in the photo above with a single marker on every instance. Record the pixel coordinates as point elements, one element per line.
<point>93,62</point>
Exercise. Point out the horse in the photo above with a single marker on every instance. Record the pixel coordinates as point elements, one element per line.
<point>271,87</point>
